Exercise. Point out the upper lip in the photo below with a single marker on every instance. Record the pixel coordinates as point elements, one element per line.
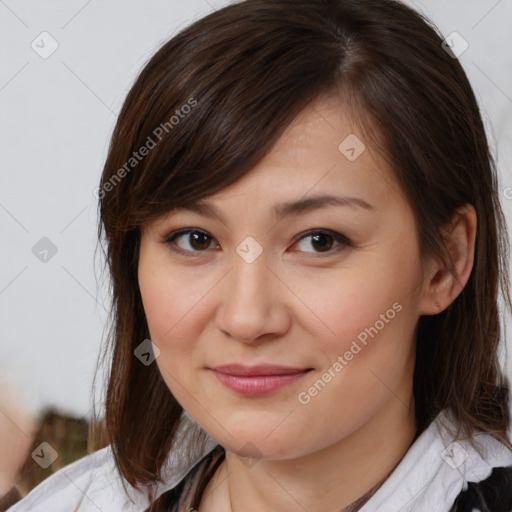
<point>261,369</point>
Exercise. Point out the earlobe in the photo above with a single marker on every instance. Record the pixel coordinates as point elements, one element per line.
<point>448,275</point>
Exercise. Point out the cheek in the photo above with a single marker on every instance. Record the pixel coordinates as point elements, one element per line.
<point>365,320</point>
<point>172,302</point>
<point>177,306</point>
<point>341,307</point>
<point>171,313</point>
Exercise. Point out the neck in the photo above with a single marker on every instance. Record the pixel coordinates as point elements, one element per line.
<point>340,477</point>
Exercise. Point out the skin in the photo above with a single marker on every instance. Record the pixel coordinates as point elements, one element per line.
<point>302,306</point>
<point>17,431</point>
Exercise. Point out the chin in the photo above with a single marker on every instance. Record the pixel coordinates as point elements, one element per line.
<point>259,445</point>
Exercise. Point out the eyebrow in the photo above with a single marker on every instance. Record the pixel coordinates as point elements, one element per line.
<point>283,209</point>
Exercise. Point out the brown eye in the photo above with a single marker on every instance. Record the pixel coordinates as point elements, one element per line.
<point>199,241</point>
<point>322,242</point>
<point>189,241</point>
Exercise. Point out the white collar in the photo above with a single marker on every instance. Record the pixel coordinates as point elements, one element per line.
<point>436,469</point>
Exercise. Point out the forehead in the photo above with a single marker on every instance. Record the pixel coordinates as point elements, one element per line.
<point>312,159</point>
<point>321,152</point>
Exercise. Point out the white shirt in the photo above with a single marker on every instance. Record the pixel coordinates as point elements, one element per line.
<point>429,478</point>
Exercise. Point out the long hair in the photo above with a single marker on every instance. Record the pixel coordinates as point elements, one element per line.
<point>213,101</point>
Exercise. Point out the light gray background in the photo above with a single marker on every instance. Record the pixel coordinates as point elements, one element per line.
<point>56,117</point>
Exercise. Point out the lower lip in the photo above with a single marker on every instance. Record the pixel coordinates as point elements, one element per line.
<point>257,385</point>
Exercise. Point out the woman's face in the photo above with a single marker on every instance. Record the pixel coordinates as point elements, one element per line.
<point>309,262</point>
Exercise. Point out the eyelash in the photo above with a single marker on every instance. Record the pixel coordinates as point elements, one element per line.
<point>342,240</point>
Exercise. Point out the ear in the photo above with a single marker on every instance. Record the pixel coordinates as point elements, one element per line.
<point>441,286</point>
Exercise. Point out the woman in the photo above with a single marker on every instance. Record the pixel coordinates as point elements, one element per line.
<point>306,248</point>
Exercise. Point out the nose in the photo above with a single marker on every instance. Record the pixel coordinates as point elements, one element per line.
<point>252,306</point>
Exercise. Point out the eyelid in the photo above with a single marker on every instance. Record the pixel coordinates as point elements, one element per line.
<point>169,239</point>
<point>175,234</point>
<point>338,237</point>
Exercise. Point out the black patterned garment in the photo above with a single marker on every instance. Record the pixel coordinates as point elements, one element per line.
<point>494,494</point>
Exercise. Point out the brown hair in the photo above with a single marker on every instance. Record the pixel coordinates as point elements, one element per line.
<point>245,71</point>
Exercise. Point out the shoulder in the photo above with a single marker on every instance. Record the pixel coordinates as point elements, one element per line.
<point>441,472</point>
<point>485,465</point>
<point>91,483</point>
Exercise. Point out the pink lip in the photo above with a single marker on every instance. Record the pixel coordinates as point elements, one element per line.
<point>257,380</point>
